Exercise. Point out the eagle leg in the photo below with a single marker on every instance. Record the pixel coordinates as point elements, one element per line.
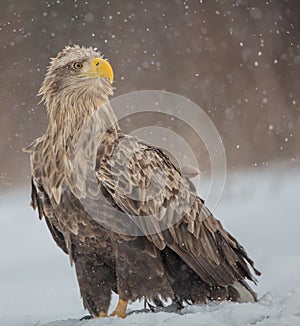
<point>102,314</point>
<point>120,310</point>
<point>95,279</point>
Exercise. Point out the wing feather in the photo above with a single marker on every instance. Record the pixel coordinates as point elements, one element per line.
<point>152,191</point>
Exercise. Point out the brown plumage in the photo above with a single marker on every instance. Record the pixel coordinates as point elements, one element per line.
<point>126,216</point>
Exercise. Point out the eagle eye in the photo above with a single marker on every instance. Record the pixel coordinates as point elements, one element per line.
<point>77,65</point>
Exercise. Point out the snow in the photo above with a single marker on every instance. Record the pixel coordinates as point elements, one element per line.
<point>259,207</point>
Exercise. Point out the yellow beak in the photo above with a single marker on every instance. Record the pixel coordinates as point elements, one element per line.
<point>99,68</point>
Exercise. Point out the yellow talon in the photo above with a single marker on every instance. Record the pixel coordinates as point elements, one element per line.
<point>120,310</point>
<point>102,314</point>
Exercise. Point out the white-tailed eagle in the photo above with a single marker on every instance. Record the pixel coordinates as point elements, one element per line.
<point>191,259</point>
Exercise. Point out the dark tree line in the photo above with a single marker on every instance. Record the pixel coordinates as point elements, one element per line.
<point>239,60</point>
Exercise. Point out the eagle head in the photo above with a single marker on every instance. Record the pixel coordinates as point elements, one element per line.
<point>76,73</point>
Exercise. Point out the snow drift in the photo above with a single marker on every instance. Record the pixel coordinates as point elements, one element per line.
<point>38,286</point>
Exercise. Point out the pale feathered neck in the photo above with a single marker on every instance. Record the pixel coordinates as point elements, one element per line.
<point>68,117</point>
<point>74,133</point>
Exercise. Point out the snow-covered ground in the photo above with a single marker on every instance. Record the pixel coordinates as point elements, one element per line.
<point>38,286</point>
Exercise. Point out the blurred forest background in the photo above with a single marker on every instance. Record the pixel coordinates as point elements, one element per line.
<point>239,60</point>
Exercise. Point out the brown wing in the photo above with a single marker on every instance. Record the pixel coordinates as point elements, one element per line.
<point>36,202</point>
<point>164,205</point>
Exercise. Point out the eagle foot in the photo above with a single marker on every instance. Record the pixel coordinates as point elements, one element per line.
<point>102,314</point>
<point>120,310</point>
